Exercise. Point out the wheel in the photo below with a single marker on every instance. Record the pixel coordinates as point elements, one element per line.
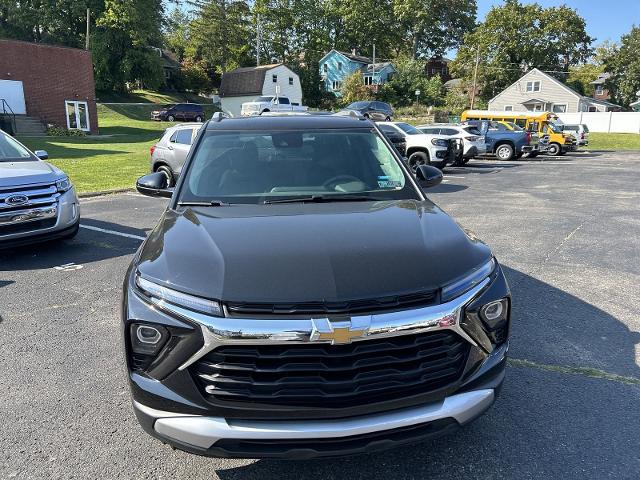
<point>387,118</point>
<point>199,119</point>
<point>164,169</point>
<point>366,115</point>
<point>416,159</point>
<point>554,150</point>
<point>264,111</point>
<point>466,160</point>
<point>171,118</point>
<point>505,152</point>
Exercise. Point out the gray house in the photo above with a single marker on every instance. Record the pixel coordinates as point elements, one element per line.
<point>537,91</point>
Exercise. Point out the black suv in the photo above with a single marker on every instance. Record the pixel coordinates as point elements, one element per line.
<point>379,111</point>
<point>302,297</point>
<point>188,112</point>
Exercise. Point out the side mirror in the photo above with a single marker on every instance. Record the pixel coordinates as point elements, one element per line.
<point>154,185</point>
<point>428,176</point>
<point>41,154</point>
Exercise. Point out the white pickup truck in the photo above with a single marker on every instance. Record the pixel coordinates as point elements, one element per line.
<point>270,104</point>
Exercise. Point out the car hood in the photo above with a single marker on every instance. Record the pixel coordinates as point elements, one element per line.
<point>27,172</point>
<point>308,252</point>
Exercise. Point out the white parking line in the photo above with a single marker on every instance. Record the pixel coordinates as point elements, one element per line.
<point>113,232</point>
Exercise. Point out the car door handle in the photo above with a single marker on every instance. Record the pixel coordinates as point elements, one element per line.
<point>170,147</point>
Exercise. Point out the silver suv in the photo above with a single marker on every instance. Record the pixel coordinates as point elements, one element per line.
<point>169,154</point>
<point>37,200</point>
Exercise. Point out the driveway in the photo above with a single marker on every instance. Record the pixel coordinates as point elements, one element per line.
<point>567,232</point>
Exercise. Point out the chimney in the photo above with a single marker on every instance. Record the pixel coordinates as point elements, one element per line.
<point>353,52</point>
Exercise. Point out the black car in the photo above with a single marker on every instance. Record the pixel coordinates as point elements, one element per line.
<point>188,112</point>
<point>379,111</point>
<point>301,297</point>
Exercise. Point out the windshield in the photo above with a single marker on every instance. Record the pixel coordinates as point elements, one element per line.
<point>358,105</point>
<point>555,128</point>
<point>408,129</point>
<point>264,99</point>
<point>514,127</point>
<point>11,150</point>
<point>254,167</point>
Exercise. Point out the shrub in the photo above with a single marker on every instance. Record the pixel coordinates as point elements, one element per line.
<point>56,131</point>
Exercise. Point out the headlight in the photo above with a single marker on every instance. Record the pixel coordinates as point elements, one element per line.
<point>469,281</point>
<point>440,142</point>
<point>159,294</point>
<point>63,184</point>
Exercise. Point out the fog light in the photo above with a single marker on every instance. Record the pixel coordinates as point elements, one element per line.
<point>495,311</point>
<point>147,334</point>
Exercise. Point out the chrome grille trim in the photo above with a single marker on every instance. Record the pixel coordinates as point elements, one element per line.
<point>37,195</point>
<point>218,331</point>
<point>27,215</point>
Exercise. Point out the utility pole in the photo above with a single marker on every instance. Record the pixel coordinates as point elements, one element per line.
<point>258,34</point>
<point>475,78</point>
<point>86,46</point>
<point>373,73</point>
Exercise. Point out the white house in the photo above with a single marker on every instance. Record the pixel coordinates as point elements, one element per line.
<point>248,83</point>
<point>539,92</point>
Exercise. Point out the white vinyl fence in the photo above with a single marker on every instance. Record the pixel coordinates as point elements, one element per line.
<point>607,122</point>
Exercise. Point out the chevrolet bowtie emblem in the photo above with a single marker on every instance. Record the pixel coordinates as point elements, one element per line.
<point>339,331</point>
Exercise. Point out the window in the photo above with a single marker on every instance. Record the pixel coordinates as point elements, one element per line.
<point>336,85</point>
<point>274,78</point>
<point>537,107</point>
<point>339,66</point>
<point>433,70</point>
<point>508,108</point>
<point>290,80</point>
<point>182,137</point>
<point>599,90</point>
<point>368,80</point>
<point>559,108</point>
<point>325,68</point>
<point>77,115</point>
<point>283,101</point>
<point>533,86</point>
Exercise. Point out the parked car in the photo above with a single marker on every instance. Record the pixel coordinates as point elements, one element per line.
<point>421,148</point>
<point>379,111</point>
<point>396,139</point>
<point>186,112</point>
<point>169,154</point>
<point>579,131</point>
<point>270,104</point>
<point>472,140</point>
<point>504,141</point>
<point>301,297</point>
<point>37,200</point>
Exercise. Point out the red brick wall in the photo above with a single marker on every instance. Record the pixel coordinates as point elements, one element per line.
<point>50,75</point>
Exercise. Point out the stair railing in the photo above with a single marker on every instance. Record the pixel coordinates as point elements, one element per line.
<point>7,111</point>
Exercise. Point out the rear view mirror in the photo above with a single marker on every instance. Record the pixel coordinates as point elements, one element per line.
<point>428,176</point>
<point>154,185</point>
<point>41,154</point>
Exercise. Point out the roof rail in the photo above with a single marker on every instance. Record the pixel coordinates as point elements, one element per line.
<point>350,113</point>
<point>218,116</point>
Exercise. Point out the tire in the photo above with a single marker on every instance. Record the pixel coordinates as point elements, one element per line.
<point>366,115</point>
<point>417,158</point>
<point>505,152</point>
<point>199,119</point>
<point>387,118</point>
<point>171,179</point>
<point>554,149</point>
<point>563,152</point>
<point>264,111</point>
<point>171,118</point>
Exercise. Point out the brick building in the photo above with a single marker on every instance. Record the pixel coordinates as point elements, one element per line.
<point>46,84</point>
<point>438,66</point>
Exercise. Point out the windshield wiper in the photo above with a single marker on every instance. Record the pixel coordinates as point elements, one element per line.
<point>324,199</point>
<point>210,203</point>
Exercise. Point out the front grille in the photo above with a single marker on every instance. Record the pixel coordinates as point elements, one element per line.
<point>27,226</point>
<point>324,375</point>
<point>37,196</point>
<point>369,305</point>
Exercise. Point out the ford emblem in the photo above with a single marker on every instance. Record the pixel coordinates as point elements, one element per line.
<point>16,200</point>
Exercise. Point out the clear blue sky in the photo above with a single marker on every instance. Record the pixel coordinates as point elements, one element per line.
<point>606,19</point>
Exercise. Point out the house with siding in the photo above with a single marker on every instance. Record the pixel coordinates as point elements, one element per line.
<point>336,66</point>
<point>248,83</point>
<point>538,91</point>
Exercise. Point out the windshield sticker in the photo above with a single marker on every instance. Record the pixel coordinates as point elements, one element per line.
<point>385,182</point>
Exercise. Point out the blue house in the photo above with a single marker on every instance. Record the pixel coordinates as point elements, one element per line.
<point>335,66</point>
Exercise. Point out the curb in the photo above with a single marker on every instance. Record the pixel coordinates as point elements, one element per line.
<point>105,192</point>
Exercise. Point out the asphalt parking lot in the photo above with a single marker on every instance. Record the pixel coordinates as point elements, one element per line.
<point>567,231</point>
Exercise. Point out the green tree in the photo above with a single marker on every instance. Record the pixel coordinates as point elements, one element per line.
<point>409,77</point>
<point>581,76</point>
<point>177,34</point>
<point>354,89</point>
<point>623,64</point>
<point>431,27</point>
<point>516,37</point>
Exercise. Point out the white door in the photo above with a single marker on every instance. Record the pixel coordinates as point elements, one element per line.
<point>13,93</point>
<point>77,115</point>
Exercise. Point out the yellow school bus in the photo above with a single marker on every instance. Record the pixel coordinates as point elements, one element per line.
<point>543,123</point>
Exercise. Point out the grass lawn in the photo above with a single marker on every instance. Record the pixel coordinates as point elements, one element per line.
<point>148,96</point>
<point>614,141</point>
<point>115,159</point>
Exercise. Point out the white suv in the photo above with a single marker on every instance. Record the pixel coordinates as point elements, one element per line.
<point>473,141</point>
<point>422,148</point>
